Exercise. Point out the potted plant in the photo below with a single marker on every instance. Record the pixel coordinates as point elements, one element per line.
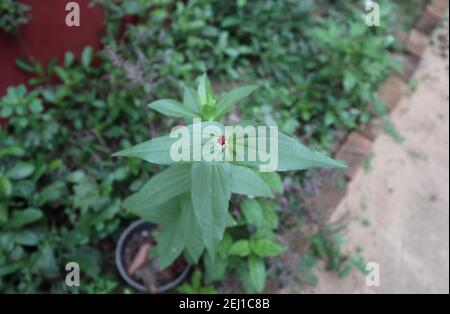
<point>207,164</point>
<point>138,268</point>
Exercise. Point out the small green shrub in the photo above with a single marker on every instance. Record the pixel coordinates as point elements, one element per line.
<point>60,195</point>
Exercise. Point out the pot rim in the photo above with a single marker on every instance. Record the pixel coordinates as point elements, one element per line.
<point>123,272</point>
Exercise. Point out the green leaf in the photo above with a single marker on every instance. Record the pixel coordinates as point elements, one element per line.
<point>294,156</point>
<point>20,170</point>
<point>170,240</point>
<point>269,214</point>
<point>185,289</point>
<point>350,80</point>
<point>51,193</point>
<point>36,106</point>
<point>24,217</point>
<point>62,74</point>
<point>208,112</point>
<point>3,213</point>
<point>291,154</point>
<point>88,258</point>
<point>162,187</point>
<point>207,290</point>
<point>210,193</point>
<point>159,214</point>
<point>51,65</point>
<point>257,272</point>
<point>228,100</point>
<point>12,151</point>
<point>46,263</point>
<point>240,248</point>
<point>215,269</point>
<point>192,231</point>
<point>248,182</point>
<point>172,108</point>
<point>196,280</point>
<point>9,268</point>
<point>77,176</point>
<point>25,65</point>
<point>86,57</point>
<point>69,57</point>
<point>5,186</point>
<point>273,180</point>
<point>190,100</point>
<point>156,150</point>
<point>266,247</point>
<point>205,92</point>
<point>252,212</point>
<point>24,188</point>
<point>108,212</point>
<point>225,245</point>
<point>26,237</point>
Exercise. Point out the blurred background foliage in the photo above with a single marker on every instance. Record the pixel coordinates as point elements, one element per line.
<point>319,67</point>
<point>12,15</point>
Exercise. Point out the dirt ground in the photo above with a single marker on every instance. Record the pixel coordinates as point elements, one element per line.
<point>402,195</point>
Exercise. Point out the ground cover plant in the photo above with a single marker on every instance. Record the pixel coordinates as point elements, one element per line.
<point>60,196</point>
<point>316,78</point>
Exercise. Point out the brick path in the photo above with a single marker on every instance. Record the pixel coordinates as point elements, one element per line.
<point>405,196</point>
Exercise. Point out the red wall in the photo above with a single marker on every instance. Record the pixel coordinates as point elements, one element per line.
<point>47,35</point>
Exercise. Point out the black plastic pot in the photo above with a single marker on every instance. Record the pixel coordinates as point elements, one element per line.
<point>141,226</point>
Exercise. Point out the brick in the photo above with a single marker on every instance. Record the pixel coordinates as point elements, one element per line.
<point>440,6</point>
<point>372,129</point>
<point>393,89</point>
<point>429,19</point>
<point>401,37</point>
<point>329,197</point>
<point>354,151</point>
<point>409,66</point>
<point>417,42</point>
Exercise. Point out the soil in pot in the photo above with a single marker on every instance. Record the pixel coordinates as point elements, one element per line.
<point>144,269</point>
